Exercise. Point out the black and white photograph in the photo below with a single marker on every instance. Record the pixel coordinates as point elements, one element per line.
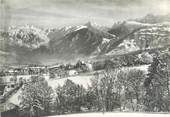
<point>84,58</point>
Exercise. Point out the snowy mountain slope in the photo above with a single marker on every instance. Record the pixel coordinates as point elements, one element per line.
<point>28,44</point>
<point>151,37</point>
<point>83,40</point>
<point>34,45</point>
<point>27,36</point>
<point>144,35</point>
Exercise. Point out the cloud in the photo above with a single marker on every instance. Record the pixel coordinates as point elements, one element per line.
<point>124,3</point>
<point>69,12</point>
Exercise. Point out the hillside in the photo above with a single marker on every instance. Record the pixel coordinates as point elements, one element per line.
<point>135,35</point>
<point>28,44</point>
<point>79,41</point>
<point>25,36</point>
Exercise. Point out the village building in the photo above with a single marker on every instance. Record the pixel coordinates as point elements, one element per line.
<point>72,72</point>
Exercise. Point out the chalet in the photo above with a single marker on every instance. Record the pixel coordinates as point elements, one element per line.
<point>89,66</point>
<point>72,72</point>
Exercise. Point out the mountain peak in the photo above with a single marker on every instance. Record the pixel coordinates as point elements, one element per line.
<point>88,24</point>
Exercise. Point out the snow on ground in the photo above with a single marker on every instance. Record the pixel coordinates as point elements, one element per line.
<point>129,45</point>
<point>85,79</point>
<point>134,23</point>
<point>24,32</point>
<point>80,27</point>
<point>141,67</point>
<point>115,114</point>
<point>105,40</point>
<point>80,79</point>
<point>14,99</point>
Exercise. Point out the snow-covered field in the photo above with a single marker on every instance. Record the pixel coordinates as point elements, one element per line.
<point>80,79</point>
<point>116,114</point>
<point>14,99</point>
<point>85,79</point>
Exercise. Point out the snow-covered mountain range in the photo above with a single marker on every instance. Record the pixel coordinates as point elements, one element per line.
<point>29,44</point>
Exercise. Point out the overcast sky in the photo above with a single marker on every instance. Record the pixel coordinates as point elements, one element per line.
<point>59,13</point>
